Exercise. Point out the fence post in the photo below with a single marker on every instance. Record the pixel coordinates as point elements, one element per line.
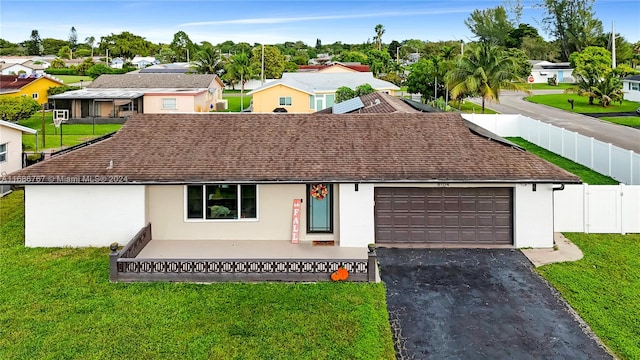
<point>372,264</point>
<point>585,201</point>
<point>113,262</point>
<point>609,160</point>
<point>620,209</point>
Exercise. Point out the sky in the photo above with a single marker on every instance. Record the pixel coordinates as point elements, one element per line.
<point>271,22</point>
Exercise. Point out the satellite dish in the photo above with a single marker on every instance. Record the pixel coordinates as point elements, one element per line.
<point>212,91</point>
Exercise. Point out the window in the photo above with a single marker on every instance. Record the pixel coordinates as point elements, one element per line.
<point>634,86</point>
<point>34,95</point>
<point>169,103</point>
<point>320,211</point>
<point>330,100</point>
<point>221,201</point>
<point>312,102</point>
<point>3,152</point>
<point>285,101</point>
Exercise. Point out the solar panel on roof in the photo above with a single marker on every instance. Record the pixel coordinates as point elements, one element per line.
<point>348,106</point>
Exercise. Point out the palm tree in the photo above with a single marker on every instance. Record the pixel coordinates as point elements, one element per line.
<point>207,60</point>
<point>583,87</point>
<point>379,29</point>
<point>608,89</point>
<point>91,42</point>
<point>484,71</point>
<point>239,67</point>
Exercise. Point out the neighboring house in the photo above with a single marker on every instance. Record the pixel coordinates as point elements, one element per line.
<point>11,158</point>
<point>249,84</point>
<point>33,86</point>
<point>543,70</point>
<point>142,62</point>
<point>335,67</point>
<point>119,96</point>
<point>117,63</point>
<point>631,88</point>
<point>28,68</point>
<point>310,92</point>
<point>321,59</point>
<point>376,103</point>
<point>389,179</point>
<point>173,68</point>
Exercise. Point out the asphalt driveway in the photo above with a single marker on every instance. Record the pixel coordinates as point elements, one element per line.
<point>477,304</point>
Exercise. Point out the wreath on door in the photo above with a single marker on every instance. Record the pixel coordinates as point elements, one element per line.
<point>319,191</point>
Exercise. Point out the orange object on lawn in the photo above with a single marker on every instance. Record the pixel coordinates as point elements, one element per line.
<point>340,274</point>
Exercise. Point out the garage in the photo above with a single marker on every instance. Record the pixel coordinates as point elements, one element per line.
<point>444,216</point>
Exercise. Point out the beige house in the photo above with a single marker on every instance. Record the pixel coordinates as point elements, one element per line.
<point>120,96</point>
<point>394,178</point>
<point>309,92</point>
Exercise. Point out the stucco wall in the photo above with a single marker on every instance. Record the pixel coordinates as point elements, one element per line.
<point>82,215</point>
<point>268,99</point>
<point>533,216</point>
<point>357,225</point>
<point>631,95</point>
<point>193,102</point>
<point>13,139</point>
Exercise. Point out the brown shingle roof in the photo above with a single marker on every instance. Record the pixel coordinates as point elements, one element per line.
<point>13,82</point>
<point>194,81</point>
<point>183,148</point>
<point>378,103</point>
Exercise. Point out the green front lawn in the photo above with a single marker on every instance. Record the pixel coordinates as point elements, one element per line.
<point>72,134</point>
<point>545,86</point>
<point>581,104</point>
<point>624,120</point>
<point>234,102</point>
<point>468,107</point>
<point>586,175</point>
<point>71,79</point>
<point>58,304</point>
<point>604,288</point>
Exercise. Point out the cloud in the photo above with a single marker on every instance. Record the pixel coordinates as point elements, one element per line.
<point>284,20</point>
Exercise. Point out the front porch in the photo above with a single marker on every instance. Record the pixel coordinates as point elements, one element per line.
<point>144,259</point>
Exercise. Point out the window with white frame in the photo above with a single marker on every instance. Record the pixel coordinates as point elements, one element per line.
<point>634,86</point>
<point>285,101</point>
<point>221,201</point>
<point>3,152</point>
<point>34,95</point>
<point>169,103</point>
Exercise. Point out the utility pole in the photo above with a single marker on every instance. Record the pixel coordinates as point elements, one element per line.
<point>613,47</point>
<point>262,72</point>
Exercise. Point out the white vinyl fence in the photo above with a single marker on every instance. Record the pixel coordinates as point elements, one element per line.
<point>620,164</point>
<point>597,209</point>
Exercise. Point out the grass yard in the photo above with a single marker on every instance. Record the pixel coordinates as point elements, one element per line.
<point>234,102</point>
<point>604,288</point>
<point>58,304</point>
<point>581,104</point>
<point>545,86</point>
<point>71,79</point>
<point>624,120</point>
<point>72,134</point>
<point>586,175</point>
<point>468,107</point>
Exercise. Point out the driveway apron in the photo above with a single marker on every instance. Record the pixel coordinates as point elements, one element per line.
<point>477,304</point>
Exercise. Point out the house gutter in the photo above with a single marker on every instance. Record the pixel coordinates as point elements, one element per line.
<point>119,180</point>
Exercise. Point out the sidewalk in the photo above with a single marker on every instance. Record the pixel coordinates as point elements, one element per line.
<point>566,251</point>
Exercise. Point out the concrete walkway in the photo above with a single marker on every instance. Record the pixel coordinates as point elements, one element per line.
<point>565,251</point>
<point>513,103</point>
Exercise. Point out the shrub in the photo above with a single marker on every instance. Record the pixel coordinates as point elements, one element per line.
<point>63,71</point>
<point>17,108</point>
